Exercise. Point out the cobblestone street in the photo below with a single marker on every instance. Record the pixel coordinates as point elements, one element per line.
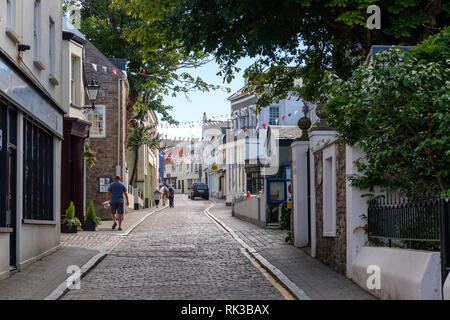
<point>177,253</point>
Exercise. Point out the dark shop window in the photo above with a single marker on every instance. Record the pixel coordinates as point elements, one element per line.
<point>255,182</point>
<point>38,173</point>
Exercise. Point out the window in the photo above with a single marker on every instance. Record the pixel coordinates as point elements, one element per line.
<point>36,29</point>
<point>75,79</point>
<point>255,182</point>
<point>273,115</point>
<point>38,173</point>
<point>98,120</point>
<point>51,46</point>
<point>329,191</point>
<point>10,13</point>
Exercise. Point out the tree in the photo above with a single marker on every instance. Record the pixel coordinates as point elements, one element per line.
<point>397,109</point>
<point>153,67</point>
<point>293,38</point>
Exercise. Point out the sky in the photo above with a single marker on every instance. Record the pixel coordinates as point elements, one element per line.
<point>214,103</point>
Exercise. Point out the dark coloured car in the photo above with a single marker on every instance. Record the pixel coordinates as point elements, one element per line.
<point>199,190</point>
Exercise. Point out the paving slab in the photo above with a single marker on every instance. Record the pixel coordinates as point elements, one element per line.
<point>40,279</point>
<point>318,281</point>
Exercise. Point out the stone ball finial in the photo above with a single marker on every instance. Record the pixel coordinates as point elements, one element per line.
<point>321,111</point>
<point>304,124</point>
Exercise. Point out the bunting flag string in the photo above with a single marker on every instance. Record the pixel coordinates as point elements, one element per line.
<point>214,120</point>
<point>145,73</point>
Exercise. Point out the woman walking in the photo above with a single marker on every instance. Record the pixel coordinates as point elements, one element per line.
<point>157,196</point>
<point>162,191</point>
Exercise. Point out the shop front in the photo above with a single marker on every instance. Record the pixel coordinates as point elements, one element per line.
<point>31,128</point>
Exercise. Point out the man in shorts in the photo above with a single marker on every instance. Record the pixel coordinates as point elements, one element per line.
<point>116,191</point>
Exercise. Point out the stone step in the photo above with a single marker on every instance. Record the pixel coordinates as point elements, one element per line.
<point>273,225</point>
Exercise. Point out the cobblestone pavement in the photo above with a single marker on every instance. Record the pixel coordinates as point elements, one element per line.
<point>317,280</point>
<point>42,277</point>
<point>176,253</point>
<point>104,238</point>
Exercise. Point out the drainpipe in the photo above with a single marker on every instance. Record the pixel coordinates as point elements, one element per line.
<point>118,167</point>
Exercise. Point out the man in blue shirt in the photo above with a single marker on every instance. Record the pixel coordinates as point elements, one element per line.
<point>116,191</point>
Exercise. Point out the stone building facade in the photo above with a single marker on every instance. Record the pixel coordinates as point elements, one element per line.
<point>107,136</point>
<point>331,249</point>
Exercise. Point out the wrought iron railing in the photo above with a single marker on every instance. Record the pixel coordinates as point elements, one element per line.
<point>406,220</point>
<point>419,220</point>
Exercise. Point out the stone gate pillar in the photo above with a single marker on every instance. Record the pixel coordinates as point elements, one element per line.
<point>300,152</point>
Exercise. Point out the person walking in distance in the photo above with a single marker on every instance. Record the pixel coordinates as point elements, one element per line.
<point>157,196</point>
<point>163,194</point>
<point>115,192</point>
<point>171,195</point>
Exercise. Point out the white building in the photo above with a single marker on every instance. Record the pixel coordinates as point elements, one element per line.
<point>214,155</point>
<point>31,129</point>
<point>245,145</point>
<point>182,165</point>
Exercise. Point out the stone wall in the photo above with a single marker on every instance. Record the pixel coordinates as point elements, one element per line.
<point>331,250</point>
<point>107,153</point>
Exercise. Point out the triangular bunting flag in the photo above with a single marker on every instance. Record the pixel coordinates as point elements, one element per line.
<point>94,66</point>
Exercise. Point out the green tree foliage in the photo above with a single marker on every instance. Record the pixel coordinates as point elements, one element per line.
<point>70,220</point>
<point>295,39</point>
<point>120,32</point>
<point>70,211</point>
<point>114,30</point>
<point>90,214</point>
<point>397,110</point>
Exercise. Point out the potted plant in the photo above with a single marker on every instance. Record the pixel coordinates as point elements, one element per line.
<point>70,224</point>
<point>92,221</point>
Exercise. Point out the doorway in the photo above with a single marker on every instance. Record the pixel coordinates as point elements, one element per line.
<point>8,174</point>
<point>11,218</point>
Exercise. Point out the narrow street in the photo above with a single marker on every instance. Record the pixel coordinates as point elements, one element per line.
<point>177,253</point>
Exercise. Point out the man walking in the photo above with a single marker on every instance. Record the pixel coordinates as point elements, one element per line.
<point>116,191</point>
<point>171,195</point>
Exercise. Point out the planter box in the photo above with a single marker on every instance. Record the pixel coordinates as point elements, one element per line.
<point>89,225</point>
<point>65,229</point>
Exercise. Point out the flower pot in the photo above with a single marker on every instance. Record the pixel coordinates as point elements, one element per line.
<point>65,229</point>
<point>89,225</point>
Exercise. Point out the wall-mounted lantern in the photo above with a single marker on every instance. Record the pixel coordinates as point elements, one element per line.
<point>92,90</point>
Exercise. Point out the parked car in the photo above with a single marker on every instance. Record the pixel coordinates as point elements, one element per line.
<point>199,190</point>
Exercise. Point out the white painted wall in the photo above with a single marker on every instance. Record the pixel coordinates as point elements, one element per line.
<point>446,289</point>
<point>356,206</point>
<point>248,210</point>
<point>4,257</point>
<point>23,29</point>
<point>404,274</point>
<point>70,49</point>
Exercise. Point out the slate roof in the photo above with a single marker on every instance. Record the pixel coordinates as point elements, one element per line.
<point>286,132</point>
